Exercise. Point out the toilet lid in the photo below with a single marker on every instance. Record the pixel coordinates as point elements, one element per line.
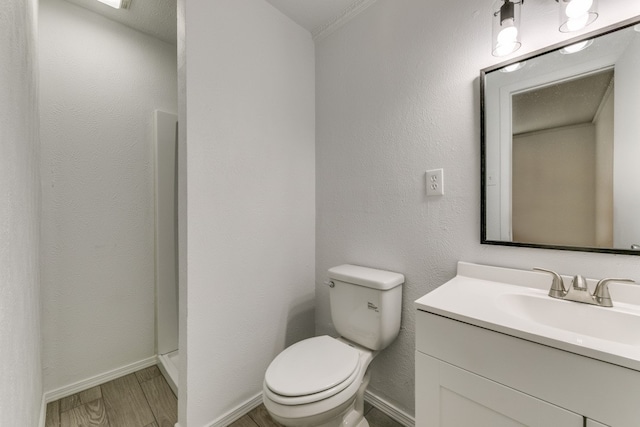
<point>311,366</point>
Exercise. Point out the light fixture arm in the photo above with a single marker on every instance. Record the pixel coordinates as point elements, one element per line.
<point>507,10</point>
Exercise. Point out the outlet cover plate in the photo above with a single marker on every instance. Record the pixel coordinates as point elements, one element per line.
<point>435,182</point>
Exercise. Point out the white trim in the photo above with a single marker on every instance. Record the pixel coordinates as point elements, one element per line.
<point>169,371</point>
<point>377,402</point>
<point>340,19</point>
<point>85,384</point>
<point>239,412</point>
<point>43,413</point>
<point>389,409</point>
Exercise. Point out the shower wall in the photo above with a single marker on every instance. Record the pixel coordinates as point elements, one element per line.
<point>166,233</point>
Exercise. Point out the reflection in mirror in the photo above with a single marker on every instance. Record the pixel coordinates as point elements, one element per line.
<point>561,145</point>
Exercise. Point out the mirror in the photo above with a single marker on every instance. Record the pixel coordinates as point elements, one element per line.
<point>561,146</point>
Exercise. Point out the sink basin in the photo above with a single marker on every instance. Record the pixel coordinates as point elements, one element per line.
<point>610,324</point>
<point>515,302</point>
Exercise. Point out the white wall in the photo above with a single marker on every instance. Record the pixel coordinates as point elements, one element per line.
<point>100,83</point>
<point>555,168</point>
<point>250,220</point>
<point>20,368</point>
<point>398,93</point>
<point>626,203</point>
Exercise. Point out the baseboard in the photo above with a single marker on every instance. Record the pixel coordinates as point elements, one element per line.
<point>379,403</point>
<point>389,409</point>
<point>169,372</point>
<point>82,385</point>
<point>237,413</point>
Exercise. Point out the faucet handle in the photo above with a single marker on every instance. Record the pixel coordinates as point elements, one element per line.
<point>601,294</point>
<point>557,289</point>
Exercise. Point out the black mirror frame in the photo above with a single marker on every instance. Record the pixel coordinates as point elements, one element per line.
<point>483,148</point>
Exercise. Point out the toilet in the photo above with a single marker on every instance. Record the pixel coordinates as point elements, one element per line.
<point>321,381</point>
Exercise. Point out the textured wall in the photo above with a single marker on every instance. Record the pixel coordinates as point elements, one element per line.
<point>251,210</point>
<point>397,93</point>
<point>551,168</point>
<point>182,212</point>
<point>20,369</point>
<point>100,83</point>
<point>626,203</point>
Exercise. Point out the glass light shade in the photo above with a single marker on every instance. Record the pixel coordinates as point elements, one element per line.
<point>513,67</point>
<point>576,47</point>
<point>506,27</point>
<point>576,14</point>
<point>117,4</point>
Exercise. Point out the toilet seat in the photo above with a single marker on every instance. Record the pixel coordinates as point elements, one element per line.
<point>311,370</point>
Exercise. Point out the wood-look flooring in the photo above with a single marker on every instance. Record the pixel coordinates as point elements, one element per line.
<point>259,417</point>
<point>144,399</point>
<point>141,399</point>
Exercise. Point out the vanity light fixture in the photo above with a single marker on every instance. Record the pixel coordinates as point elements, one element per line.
<point>576,14</point>
<point>506,27</point>
<point>117,4</point>
<point>576,47</point>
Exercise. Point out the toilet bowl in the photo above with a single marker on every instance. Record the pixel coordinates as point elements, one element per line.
<point>318,382</point>
<point>321,381</point>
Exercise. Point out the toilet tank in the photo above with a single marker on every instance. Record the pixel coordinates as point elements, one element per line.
<point>366,304</point>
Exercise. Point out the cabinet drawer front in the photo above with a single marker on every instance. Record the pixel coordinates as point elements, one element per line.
<point>447,396</point>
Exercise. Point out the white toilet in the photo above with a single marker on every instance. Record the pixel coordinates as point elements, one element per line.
<point>321,381</point>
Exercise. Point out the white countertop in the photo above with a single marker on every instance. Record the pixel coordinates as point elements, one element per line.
<point>493,297</point>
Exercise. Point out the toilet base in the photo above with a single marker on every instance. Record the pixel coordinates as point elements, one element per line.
<point>349,417</point>
<point>349,414</point>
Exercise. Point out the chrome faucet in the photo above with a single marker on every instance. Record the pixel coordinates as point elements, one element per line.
<point>578,290</point>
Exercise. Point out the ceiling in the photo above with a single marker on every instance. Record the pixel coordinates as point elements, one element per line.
<point>154,17</point>
<point>158,17</point>
<point>562,104</point>
<point>312,14</point>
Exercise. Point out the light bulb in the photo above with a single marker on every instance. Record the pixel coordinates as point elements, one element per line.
<point>576,14</point>
<point>577,8</point>
<point>577,23</point>
<point>509,34</point>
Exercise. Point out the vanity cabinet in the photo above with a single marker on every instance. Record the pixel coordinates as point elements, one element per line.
<point>447,396</point>
<point>472,376</point>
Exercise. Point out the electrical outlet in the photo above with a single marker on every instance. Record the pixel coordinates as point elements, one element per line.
<point>435,182</point>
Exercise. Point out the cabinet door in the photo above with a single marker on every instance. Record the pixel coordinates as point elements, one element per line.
<point>447,396</point>
<point>592,423</point>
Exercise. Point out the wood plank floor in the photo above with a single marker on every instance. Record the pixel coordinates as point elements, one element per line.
<point>259,417</point>
<point>144,399</point>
